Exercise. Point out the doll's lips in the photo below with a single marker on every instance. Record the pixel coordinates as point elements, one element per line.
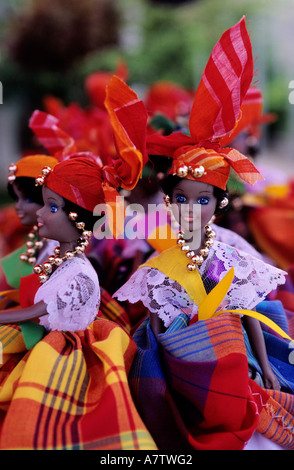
<point>189,219</point>
<point>40,224</point>
<point>20,215</point>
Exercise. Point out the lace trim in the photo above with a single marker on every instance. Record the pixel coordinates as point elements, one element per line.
<point>253,281</point>
<point>72,296</point>
<point>231,238</point>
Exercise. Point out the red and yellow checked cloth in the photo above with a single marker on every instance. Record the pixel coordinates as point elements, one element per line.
<point>70,391</point>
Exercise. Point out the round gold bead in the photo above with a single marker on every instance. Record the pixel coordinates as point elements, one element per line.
<point>38,269</point>
<point>87,233</point>
<point>12,167</point>
<point>69,254</point>
<point>80,225</point>
<point>23,257</point>
<point>190,254</point>
<point>43,278</point>
<point>185,248</point>
<point>73,215</point>
<point>39,181</point>
<point>47,267</point>
<point>204,251</point>
<point>182,171</point>
<point>32,260</point>
<point>80,249</point>
<point>58,261</point>
<point>181,241</point>
<point>38,244</point>
<point>11,178</point>
<point>208,242</point>
<point>223,203</point>
<point>46,170</point>
<point>29,243</point>
<point>198,172</point>
<point>191,267</point>
<point>197,259</point>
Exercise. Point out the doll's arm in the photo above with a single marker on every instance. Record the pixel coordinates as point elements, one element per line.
<point>257,342</point>
<point>156,323</point>
<point>20,315</point>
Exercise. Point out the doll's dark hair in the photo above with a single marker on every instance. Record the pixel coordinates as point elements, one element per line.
<point>170,181</point>
<point>27,186</point>
<point>84,215</point>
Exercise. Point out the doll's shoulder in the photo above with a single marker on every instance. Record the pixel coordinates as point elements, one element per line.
<point>247,268</point>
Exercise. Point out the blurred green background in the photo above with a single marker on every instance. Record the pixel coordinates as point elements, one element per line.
<point>50,46</point>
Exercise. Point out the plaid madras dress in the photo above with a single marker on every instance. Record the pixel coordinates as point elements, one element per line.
<point>70,391</point>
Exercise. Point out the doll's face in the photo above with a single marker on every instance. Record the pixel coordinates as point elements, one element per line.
<point>25,208</point>
<point>53,222</point>
<point>193,204</point>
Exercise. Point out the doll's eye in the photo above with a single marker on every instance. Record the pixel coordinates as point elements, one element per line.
<point>203,200</point>
<point>180,198</point>
<point>29,200</point>
<point>53,208</point>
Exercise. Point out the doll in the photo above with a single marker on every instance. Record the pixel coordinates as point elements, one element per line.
<point>56,391</point>
<point>78,292</point>
<point>191,378</point>
<point>28,199</point>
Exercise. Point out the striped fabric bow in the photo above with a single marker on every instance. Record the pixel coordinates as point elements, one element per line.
<point>48,132</point>
<point>215,114</point>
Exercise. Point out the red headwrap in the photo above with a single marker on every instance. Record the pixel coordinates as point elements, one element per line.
<point>214,115</point>
<point>78,179</point>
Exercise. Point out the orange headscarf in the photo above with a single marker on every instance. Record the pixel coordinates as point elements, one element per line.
<point>214,116</point>
<point>30,166</point>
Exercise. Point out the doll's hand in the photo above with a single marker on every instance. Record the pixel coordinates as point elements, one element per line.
<point>270,379</point>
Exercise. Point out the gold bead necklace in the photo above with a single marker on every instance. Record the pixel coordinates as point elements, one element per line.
<point>196,259</point>
<point>33,244</point>
<point>46,269</point>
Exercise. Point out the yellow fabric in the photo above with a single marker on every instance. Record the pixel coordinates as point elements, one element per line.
<point>5,295</point>
<point>261,318</point>
<point>173,264</point>
<point>207,308</point>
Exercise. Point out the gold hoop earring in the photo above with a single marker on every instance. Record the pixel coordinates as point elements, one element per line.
<point>223,203</point>
<point>73,216</point>
<point>166,200</point>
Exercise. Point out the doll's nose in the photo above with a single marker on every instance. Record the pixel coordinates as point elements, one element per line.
<point>39,211</point>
